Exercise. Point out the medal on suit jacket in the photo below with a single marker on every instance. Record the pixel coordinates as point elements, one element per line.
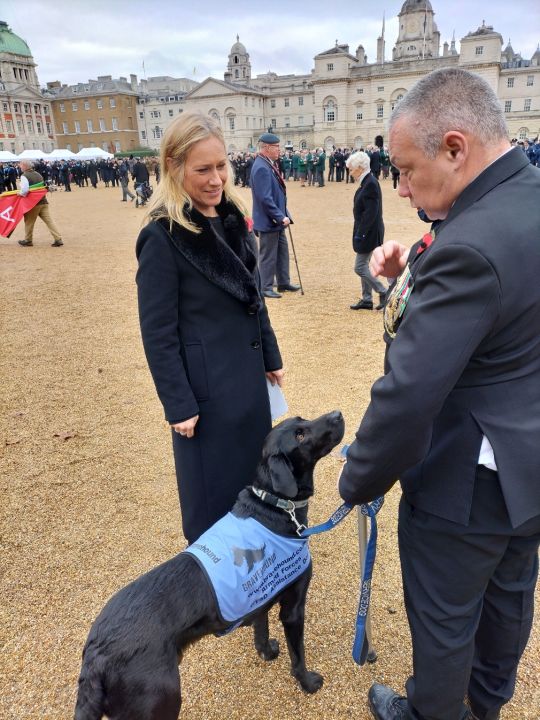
<point>401,292</point>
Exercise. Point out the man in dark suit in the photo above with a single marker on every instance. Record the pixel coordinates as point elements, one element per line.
<point>368,231</point>
<point>457,415</point>
<point>271,217</point>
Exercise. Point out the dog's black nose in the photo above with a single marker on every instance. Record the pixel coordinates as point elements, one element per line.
<point>335,416</point>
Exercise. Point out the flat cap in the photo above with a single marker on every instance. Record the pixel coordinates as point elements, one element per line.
<point>269,138</point>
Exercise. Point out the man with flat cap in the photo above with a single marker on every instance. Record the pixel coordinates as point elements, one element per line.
<point>271,217</point>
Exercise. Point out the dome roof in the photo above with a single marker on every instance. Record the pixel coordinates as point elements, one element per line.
<point>238,48</point>
<point>11,43</point>
<point>415,6</point>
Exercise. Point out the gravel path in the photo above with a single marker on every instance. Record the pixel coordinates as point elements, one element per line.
<point>88,489</point>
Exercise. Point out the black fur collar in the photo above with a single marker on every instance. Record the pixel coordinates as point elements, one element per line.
<point>230,265</point>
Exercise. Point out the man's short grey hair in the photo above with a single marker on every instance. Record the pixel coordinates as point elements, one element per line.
<point>451,99</point>
<point>359,159</point>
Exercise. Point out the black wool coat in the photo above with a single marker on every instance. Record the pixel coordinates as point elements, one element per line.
<point>208,341</point>
<point>368,232</point>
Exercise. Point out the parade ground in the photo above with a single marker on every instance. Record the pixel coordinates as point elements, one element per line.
<point>89,497</point>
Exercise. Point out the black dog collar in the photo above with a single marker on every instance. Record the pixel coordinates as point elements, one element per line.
<point>288,505</point>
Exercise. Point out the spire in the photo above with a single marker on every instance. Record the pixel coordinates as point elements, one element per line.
<point>237,37</point>
<point>383,18</point>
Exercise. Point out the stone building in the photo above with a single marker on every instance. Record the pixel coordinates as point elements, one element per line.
<point>160,101</point>
<point>346,100</point>
<point>25,114</point>
<point>98,113</point>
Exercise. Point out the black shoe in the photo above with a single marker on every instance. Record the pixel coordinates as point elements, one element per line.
<point>288,288</point>
<point>385,704</point>
<point>57,243</point>
<point>362,305</point>
<point>25,243</point>
<point>271,294</point>
<point>382,301</point>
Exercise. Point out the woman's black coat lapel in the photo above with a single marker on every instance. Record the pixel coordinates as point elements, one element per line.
<point>230,265</point>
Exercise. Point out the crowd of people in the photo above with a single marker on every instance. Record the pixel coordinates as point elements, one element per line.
<point>82,173</point>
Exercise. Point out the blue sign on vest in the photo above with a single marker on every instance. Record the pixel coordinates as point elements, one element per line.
<point>247,564</point>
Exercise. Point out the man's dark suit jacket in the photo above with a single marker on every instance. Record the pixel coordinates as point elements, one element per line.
<point>465,361</point>
<point>269,197</point>
<point>368,231</point>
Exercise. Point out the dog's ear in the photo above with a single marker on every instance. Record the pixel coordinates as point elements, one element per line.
<point>281,475</point>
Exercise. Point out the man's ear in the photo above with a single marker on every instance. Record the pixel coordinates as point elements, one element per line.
<point>456,145</point>
<point>281,475</point>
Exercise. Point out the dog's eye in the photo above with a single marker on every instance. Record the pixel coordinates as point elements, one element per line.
<point>299,435</point>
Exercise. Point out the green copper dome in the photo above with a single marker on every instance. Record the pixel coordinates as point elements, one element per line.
<point>11,43</point>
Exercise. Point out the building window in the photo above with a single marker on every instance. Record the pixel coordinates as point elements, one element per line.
<point>65,128</point>
<point>359,91</point>
<point>359,115</point>
<point>231,122</point>
<point>27,107</point>
<point>141,115</point>
<point>29,126</point>
<point>49,129</point>
<point>87,104</point>
<point>286,102</point>
<point>112,102</point>
<point>19,126</point>
<point>117,147</point>
<point>479,50</point>
<point>527,105</point>
<point>171,112</point>
<point>102,124</point>
<point>74,106</point>
<point>62,107</point>
<point>300,119</point>
<point>157,132</point>
<point>508,106</point>
<point>272,103</point>
<point>301,100</point>
<point>330,111</point>
<point>115,123</point>
<point>77,127</point>
<point>287,122</point>
<point>510,82</point>
<point>100,104</point>
<point>89,126</point>
<point>380,88</point>
<point>523,133</point>
<point>530,80</point>
<point>380,111</point>
<point>330,66</point>
<point>273,122</point>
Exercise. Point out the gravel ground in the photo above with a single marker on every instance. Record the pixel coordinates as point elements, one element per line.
<point>88,489</point>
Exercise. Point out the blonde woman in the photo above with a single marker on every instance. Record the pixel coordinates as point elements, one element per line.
<point>205,329</point>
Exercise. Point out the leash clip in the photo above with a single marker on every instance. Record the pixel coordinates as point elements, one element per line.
<point>299,527</point>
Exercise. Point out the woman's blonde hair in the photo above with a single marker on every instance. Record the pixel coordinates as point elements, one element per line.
<point>170,199</point>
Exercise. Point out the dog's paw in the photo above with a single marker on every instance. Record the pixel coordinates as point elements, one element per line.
<point>270,651</point>
<point>310,681</point>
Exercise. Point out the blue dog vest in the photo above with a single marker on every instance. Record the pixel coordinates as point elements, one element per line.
<point>247,564</point>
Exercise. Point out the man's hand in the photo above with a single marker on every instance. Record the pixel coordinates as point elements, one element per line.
<point>276,376</point>
<point>286,221</point>
<point>388,259</point>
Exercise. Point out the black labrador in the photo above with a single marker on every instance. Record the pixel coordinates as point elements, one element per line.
<point>131,657</point>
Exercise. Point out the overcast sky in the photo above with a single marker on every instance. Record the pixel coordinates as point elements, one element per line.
<point>74,40</point>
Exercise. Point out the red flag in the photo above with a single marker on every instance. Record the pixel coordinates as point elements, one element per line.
<point>13,206</point>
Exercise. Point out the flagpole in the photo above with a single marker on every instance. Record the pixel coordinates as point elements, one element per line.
<point>425,29</point>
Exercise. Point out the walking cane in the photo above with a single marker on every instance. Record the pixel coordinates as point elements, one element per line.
<point>295,260</point>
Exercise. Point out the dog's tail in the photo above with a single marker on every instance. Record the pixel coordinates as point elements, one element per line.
<point>90,698</point>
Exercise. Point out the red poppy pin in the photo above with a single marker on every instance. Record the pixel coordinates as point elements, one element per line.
<point>249,223</point>
<point>426,242</point>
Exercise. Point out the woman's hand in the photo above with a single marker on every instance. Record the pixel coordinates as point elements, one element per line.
<point>186,427</point>
<point>276,376</point>
<point>388,259</point>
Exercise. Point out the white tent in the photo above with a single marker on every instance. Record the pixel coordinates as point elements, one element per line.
<point>61,154</point>
<point>32,155</point>
<point>93,152</point>
<point>6,156</point>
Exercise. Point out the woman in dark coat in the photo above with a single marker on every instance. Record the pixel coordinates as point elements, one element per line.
<point>205,329</point>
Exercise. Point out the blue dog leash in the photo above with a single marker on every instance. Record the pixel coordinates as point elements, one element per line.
<point>360,646</point>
